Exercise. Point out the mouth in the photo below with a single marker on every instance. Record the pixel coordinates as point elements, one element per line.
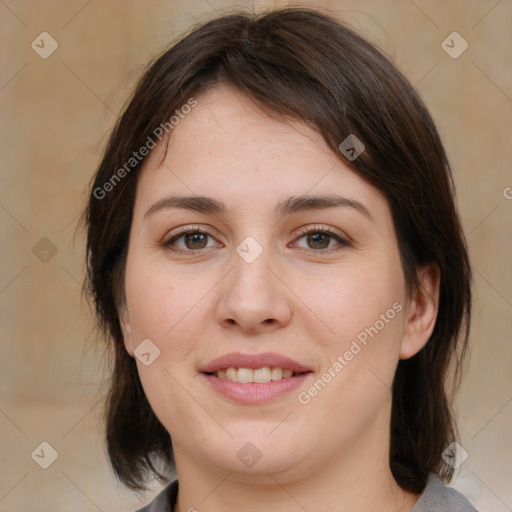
<point>252,379</point>
<point>258,375</point>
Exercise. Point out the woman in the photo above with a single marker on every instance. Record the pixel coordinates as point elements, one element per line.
<point>276,258</point>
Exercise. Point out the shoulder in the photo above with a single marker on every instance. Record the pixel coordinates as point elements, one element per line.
<point>164,501</point>
<point>439,498</point>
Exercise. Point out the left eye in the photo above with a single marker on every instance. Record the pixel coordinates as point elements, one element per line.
<point>321,239</point>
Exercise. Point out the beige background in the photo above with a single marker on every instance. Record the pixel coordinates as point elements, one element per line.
<point>56,115</point>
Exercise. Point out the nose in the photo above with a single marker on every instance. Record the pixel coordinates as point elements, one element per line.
<point>253,297</point>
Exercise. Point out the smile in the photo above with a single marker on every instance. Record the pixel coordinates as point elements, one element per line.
<point>251,392</point>
<point>258,375</point>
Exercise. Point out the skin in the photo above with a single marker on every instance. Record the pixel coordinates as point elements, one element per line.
<point>332,453</point>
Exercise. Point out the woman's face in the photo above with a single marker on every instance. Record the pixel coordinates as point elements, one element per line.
<point>294,266</point>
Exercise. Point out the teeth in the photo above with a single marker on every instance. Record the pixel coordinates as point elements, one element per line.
<point>260,375</point>
<point>231,374</point>
<point>245,375</point>
<point>277,373</point>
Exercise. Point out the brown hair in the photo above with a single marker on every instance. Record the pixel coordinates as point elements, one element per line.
<point>299,64</point>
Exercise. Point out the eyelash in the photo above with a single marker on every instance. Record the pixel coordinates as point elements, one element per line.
<point>309,230</point>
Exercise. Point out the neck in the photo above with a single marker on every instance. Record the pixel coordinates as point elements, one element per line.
<point>359,480</point>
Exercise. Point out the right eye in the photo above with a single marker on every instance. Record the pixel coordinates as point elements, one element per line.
<point>189,241</point>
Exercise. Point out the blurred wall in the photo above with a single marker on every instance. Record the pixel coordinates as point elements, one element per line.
<point>57,109</point>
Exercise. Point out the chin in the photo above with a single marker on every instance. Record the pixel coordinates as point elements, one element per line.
<point>248,455</point>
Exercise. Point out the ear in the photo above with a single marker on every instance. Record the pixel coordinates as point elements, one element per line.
<point>421,311</point>
<point>126,328</point>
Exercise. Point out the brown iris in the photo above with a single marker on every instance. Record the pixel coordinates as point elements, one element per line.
<point>317,240</point>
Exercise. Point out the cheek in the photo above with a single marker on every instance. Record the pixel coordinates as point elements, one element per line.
<point>163,307</point>
<point>160,300</point>
<point>352,302</point>
<point>364,311</point>
<point>170,309</point>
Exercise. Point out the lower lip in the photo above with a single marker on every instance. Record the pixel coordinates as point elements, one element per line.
<point>255,393</point>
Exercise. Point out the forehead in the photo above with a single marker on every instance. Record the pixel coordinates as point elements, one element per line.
<point>228,148</point>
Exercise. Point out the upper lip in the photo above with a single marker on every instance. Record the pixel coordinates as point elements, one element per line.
<point>253,361</point>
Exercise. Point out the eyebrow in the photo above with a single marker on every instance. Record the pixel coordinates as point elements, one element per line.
<point>294,204</point>
<point>303,203</point>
